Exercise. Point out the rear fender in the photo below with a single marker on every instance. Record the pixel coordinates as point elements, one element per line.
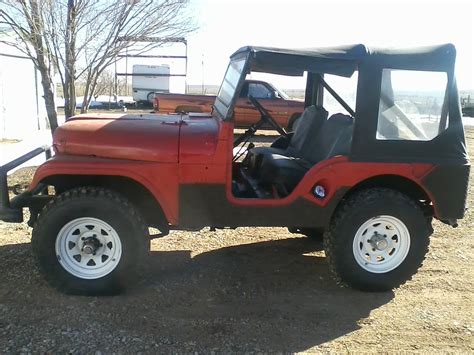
<point>339,173</point>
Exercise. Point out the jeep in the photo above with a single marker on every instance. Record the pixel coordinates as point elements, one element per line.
<point>368,179</point>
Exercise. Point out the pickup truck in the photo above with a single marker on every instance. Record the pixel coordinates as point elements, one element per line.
<point>285,110</point>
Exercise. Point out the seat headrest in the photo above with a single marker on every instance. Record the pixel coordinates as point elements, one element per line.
<point>335,136</point>
<point>310,122</point>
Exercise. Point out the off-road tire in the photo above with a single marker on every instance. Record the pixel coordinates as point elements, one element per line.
<point>101,204</point>
<point>351,215</point>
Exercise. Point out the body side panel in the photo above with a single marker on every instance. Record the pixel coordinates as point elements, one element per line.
<point>203,202</point>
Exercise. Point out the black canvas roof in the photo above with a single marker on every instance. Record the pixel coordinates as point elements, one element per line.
<point>344,60</point>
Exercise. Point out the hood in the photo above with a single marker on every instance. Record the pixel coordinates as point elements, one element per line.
<point>147,137</point>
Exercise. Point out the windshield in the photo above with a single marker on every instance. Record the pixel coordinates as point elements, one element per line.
<point>228,87</point>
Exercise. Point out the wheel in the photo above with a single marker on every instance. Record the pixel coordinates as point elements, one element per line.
<point>90,241</point>
<point>150,97</point>
<point>377,240</point>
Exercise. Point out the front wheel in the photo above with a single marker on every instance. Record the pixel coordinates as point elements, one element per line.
<point>90,241</point>
<point>377,240</point>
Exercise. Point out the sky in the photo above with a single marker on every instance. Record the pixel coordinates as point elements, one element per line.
<point>226,25</point>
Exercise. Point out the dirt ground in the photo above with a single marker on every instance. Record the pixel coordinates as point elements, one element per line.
<point>246,290</point>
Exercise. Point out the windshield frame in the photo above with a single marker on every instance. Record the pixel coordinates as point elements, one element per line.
<point>223,109</point>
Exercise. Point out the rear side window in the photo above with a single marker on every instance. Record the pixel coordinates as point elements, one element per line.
<point>413,105</point>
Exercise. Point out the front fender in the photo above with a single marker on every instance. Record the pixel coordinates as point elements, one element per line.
<point>160,179</point>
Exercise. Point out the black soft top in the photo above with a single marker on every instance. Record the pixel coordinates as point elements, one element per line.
<point>344,60</point>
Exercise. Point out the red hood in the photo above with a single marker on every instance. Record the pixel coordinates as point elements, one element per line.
<point>147,137</point>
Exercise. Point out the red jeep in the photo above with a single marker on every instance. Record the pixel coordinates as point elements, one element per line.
<point>370,178</point>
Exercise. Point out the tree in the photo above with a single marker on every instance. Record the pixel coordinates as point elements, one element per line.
<point>105,84</point>
<point>82,38</point>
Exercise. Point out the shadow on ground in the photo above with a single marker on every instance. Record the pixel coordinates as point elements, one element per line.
<point>267,296</point>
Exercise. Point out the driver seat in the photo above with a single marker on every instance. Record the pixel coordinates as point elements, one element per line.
<point>301,140</point>
<point>284,168</point>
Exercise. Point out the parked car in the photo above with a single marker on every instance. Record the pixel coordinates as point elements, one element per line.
<point>105,102</point>
<point>371,178</point>
<point>285,110</point>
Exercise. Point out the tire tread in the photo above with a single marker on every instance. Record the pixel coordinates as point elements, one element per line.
<point>331,242</point>
<point>77,193</point>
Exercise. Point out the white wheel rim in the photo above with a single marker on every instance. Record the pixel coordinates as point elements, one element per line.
<point>381,244</point>
<point>88,248</point>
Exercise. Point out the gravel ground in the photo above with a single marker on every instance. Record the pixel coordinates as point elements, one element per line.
<point>244,290</point>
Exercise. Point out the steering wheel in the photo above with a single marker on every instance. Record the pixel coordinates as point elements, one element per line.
<point>266,115</point>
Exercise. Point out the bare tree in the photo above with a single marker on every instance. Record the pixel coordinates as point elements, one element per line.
<point>105,84</point>
<point>125,24</point>
<point>82,38</point>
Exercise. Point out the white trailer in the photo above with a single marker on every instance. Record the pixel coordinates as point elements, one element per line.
<point>22,108</point>
<point>148,79</point>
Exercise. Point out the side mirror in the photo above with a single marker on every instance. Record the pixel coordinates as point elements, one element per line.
<point>277,95</point>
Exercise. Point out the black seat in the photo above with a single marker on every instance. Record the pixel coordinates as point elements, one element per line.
<point>300,141</point>
<point>286,168</point>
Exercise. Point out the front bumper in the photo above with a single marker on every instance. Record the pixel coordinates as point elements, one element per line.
<point>12,211</point>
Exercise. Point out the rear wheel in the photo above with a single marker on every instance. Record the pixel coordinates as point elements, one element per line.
<point>377,240</point>
<point>90,241</point>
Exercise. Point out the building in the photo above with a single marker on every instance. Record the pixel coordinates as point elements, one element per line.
<point>22,108</point>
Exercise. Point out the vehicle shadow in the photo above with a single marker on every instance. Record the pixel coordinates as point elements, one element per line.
<point>273,296</point>
<point>267,296</point>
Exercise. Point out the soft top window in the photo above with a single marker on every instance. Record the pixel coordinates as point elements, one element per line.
<point>413,105</point>
<point>346,88</point>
